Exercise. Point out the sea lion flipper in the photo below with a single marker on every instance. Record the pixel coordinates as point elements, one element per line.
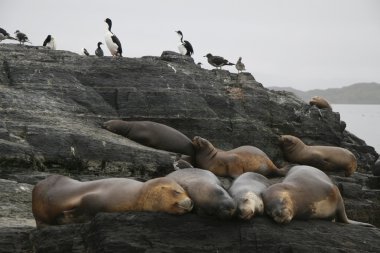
<point>72,216</point>
<point>341,215</point>
<point>360,223</point>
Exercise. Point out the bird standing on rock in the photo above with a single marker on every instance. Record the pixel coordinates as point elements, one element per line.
<point>50,42</point>
<point>240,66</point>
<point>21,37</point>
<point>217,61</point>
<point>85,52</point>
<point>99,50</point>
<point>5,35</point>
<point>112,42</point>
<point>185,48</point>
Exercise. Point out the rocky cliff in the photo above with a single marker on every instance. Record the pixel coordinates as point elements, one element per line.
<point>53,103</point>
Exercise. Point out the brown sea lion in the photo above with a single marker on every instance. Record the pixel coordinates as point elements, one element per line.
<point>326,158</point>
<point>152,134</point>
<point>62,200</point>
<point>305,193</point>
<point>233,162</point>
<point>320,102</point>
<point>246,191</point>
<point>206,191</point>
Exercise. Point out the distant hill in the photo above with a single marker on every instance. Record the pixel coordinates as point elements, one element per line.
<point>359,93</point>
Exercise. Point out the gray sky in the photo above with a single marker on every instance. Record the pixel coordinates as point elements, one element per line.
<point>304,44</point>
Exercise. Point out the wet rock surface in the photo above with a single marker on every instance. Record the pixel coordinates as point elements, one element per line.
<point>147,232</point>
<point>52,104</point>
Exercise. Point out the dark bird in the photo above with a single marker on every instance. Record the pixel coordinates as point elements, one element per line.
<point>217,61</point>
<point>21,37</point>
<point>50,42</point>
<point>99,50</point>
<point>112,42</point>
<point>85,52</point>
<point>4,35</point>
<point>240,66</point>
<point>185,48</point>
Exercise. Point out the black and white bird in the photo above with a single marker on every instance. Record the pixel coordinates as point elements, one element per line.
<point>185,48</point>
<point>85,52</point>
<point>4,35</point>
<point>240,66</point>
<point>99,50</point>
<point>112,42</point>
<point>217,61</point>
<point>50,42</point>
<point>21,37</point>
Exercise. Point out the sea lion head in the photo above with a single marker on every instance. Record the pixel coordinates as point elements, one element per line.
<point>111,125</point>
<point>278,204</point>
<point>217,202</point>
<point>248,205</point>
<point>200,143</point>
<point>287,141</point>
<point>226,206</point>
<point>165,195</point>
<point>320,102</point>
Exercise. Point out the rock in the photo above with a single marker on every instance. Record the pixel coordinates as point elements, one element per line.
<point>157,232</point>
<point>15,204</point>
<point>63,98</point>
<point>15,239</point>
<point>50,117</point>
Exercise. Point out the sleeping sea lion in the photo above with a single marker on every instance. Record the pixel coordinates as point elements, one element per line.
<point>206,191</point>
<point>246,191</point>
<point>62,200</point>
<point>305,193</point>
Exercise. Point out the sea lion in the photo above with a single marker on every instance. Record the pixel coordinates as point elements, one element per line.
<point>62,200</point>
<point>305,193</point>
<point>152,134</point>
<point>246,191</point>
<point>326,158</point>
<point>320,102</point>
<point>206,191</point>
<point>234,162</point>
<point>376,168</point>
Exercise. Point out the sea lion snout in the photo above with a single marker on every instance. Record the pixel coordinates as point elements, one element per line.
<point>227,210</point>
<point>187,204</point>
<point>282,215</point>
<point>195,140</point>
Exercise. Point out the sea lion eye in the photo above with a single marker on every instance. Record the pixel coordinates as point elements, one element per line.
<point>177,192</point>
<point>245,200</point>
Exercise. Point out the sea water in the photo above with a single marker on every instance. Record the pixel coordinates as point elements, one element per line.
<point>363,121</point>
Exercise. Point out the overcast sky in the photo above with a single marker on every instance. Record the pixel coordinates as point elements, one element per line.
<point>304,44</point>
